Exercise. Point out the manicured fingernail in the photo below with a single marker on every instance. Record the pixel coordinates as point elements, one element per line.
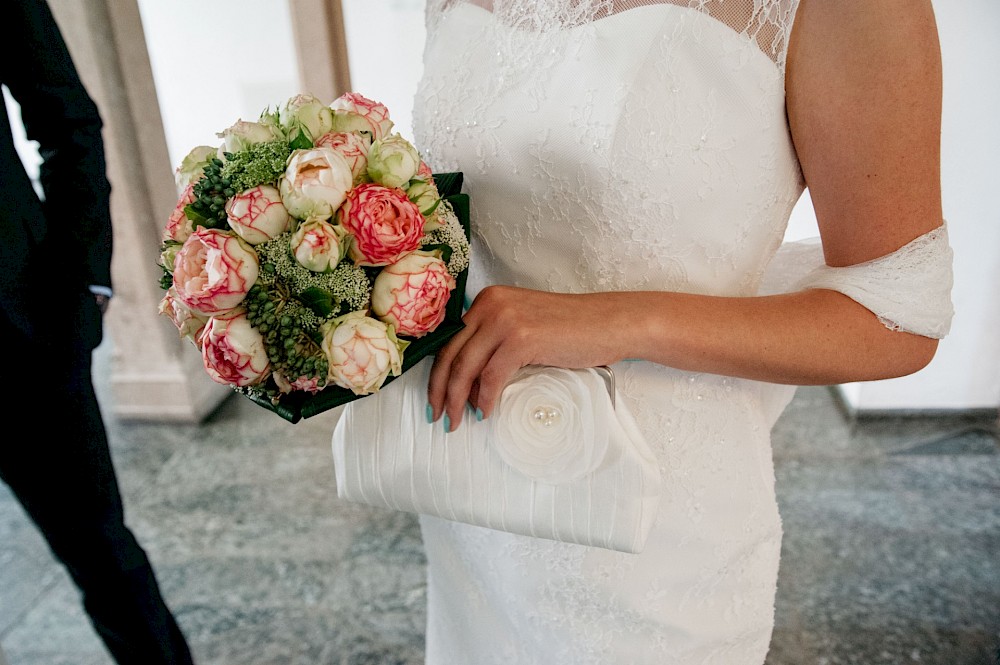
<point>429,411</point>
<point>447,423</point>
<point>479,415</point>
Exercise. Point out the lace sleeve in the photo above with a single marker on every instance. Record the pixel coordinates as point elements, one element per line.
<point>908,290</point>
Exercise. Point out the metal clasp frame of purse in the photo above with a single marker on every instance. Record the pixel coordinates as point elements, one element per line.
<point>609,381</point>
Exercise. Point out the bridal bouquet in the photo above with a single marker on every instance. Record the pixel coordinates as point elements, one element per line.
<point>312,256</point>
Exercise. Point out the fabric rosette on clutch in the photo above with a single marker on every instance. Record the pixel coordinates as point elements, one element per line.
<point>546,425</point>
<point>313,256</point>
<point>560,458</point>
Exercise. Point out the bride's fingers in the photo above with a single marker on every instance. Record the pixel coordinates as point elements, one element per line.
<point>492,379</point>
<point>437,386</point>
<point>465,370</point>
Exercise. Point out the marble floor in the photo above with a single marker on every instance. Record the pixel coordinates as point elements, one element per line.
<point>891,552</point>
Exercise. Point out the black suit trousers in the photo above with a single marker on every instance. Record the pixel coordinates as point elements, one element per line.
<point>63,475</point>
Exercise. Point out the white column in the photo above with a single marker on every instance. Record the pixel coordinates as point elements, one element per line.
<point>154,374</point>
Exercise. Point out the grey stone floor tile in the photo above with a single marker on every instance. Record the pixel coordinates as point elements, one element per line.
<point>55,626</point>
<point>24,578</point>
<point>890,552</point>
<point>40,656</point>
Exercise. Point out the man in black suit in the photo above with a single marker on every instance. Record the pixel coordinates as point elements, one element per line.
<point>55,281</point>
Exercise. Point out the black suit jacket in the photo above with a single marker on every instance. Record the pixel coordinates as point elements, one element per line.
<point>53,247</point>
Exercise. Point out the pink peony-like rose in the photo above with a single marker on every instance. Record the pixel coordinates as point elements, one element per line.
<point>353,147</point>
<point>318,245</point>
<point>233,351</point>
<point>385,225</point>
<point>412,293</point>
<point>353,112</point>
<point>179,227</point>
<point>424,171</point>
<point>362,352</point>
<point>189,324</point>
<point>213,271</point>
<point>258,215</point>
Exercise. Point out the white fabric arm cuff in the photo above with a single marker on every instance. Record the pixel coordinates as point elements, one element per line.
<point>908,290</point>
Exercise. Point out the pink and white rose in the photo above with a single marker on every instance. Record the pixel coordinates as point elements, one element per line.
<point>213,271</point>
<point>179,227</point>
<point>308,114</point>
<point>258,215</point>
<point>189,324</point>
<point>362,352</point>
<point>353,147</point>
<point>318,245</point>
<point>392,161</point>
<point>412,293</point>
<point>233,351</point>
<point>315,183</point>
<point>353,112</point>
<point>383,223</point>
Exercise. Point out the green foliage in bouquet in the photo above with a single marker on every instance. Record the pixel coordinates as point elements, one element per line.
<point>258,164</point>
<point>211,192</point>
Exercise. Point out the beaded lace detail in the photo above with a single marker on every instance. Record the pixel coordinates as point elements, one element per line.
<point>621,145</point>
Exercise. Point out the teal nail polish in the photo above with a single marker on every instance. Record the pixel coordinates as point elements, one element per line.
<point>479,415</point>
<point>447,423</point>
<point>429,412</point>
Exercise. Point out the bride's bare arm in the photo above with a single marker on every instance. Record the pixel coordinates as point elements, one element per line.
<point>863,88</point>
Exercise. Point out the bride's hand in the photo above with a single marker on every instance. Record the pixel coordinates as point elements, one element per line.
<point>507,328</point>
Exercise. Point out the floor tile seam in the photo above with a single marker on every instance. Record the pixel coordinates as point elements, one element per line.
<point>47,588</point>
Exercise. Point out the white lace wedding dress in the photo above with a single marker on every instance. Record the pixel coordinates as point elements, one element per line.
<point>621,146</point>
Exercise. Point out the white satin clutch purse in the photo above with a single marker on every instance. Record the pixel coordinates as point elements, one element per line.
<point>557,459</point>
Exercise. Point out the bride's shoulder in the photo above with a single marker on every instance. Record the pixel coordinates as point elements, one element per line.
<point>893,31</point>
<point>863,95</point>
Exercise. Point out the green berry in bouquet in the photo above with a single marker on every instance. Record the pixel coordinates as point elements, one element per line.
<point>308,250</point>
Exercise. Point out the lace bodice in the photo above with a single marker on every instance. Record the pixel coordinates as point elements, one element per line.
<point>614,145</point>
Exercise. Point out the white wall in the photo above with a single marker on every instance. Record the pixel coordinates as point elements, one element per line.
<point>218,61</point>
<point>215,62</point>
<point>387,62</point>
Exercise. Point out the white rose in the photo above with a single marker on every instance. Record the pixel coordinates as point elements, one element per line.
<point>307,113</point>
<point>315,183</point>
<point>362,352</point>
<point>392,161</point>
<point>192,165</point>
<point>548,424</point>
<point>243,134</point>
<point>424,193</point>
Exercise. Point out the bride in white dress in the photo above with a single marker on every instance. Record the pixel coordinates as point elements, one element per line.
<point>632,165</point>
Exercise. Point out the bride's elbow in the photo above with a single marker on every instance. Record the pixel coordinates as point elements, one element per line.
<point>908,354</point>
